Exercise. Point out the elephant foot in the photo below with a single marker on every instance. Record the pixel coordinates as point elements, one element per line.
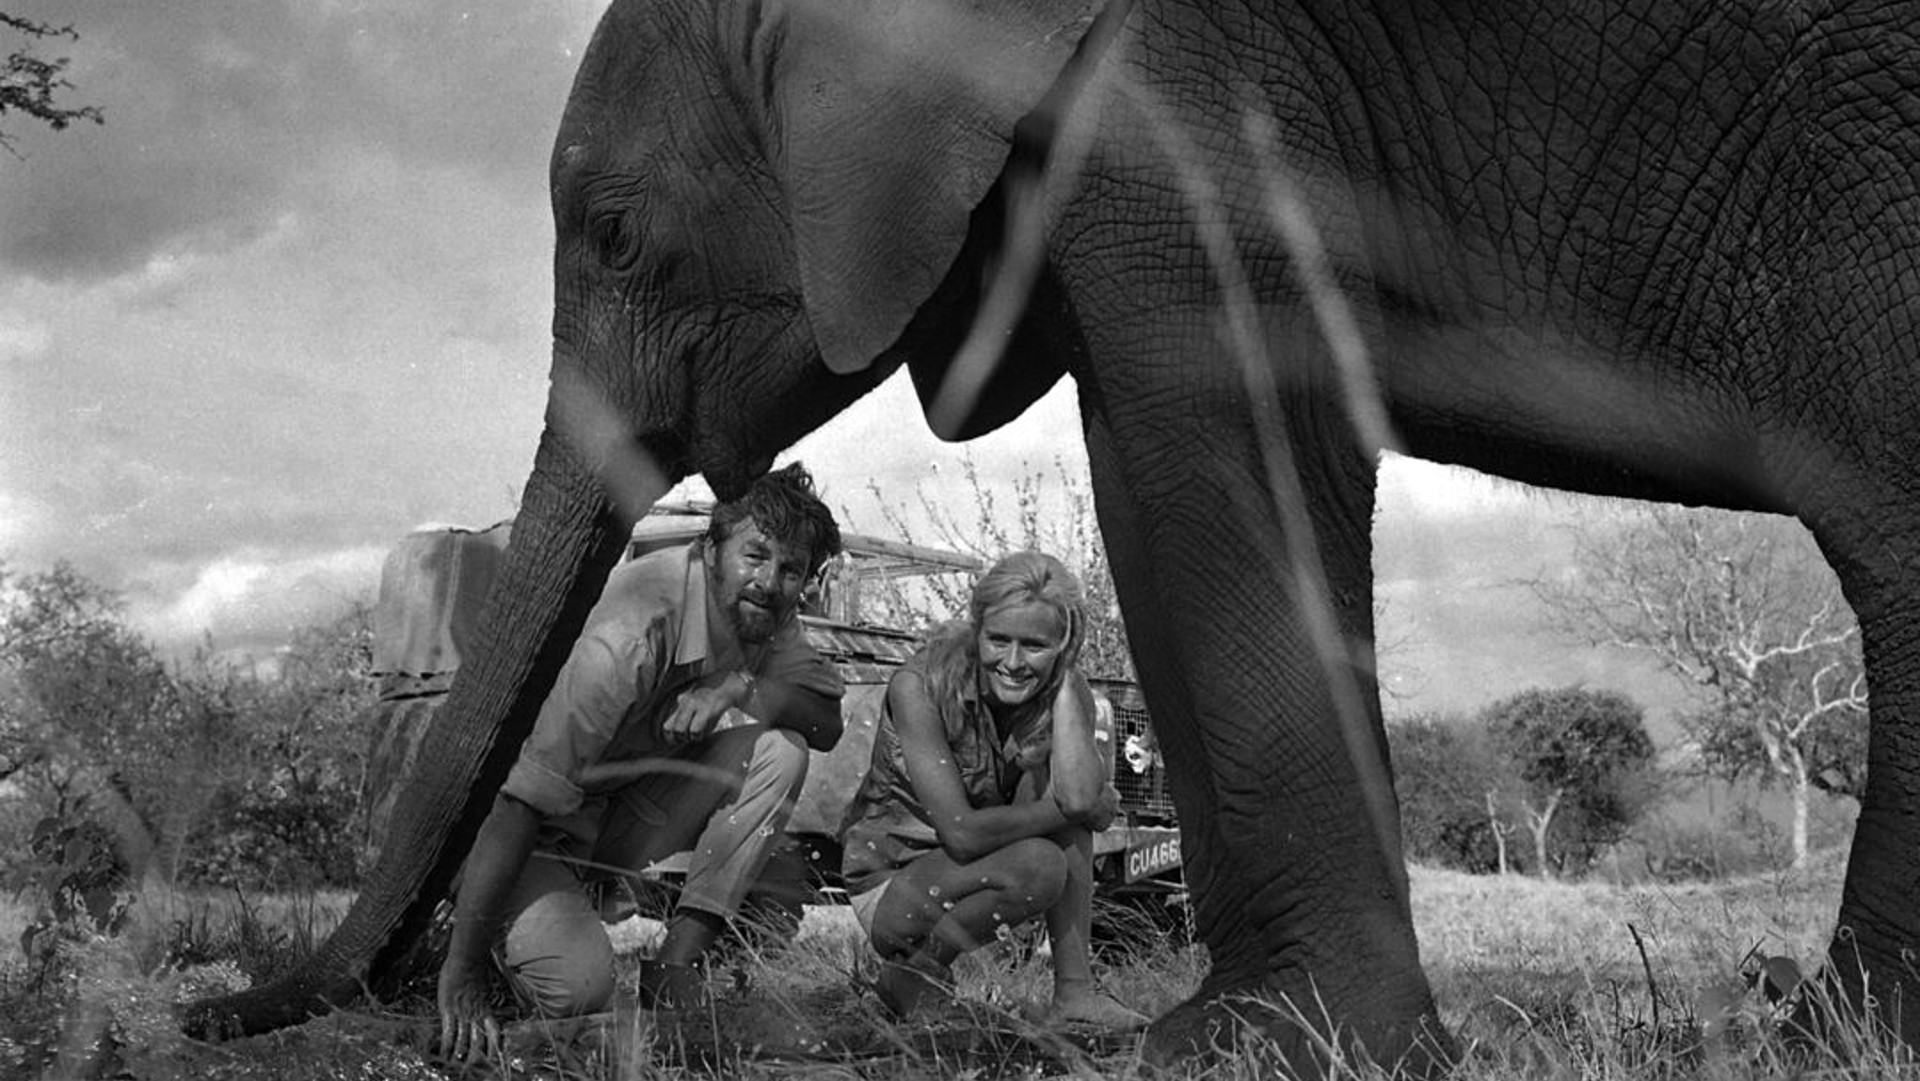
<point>1858,1002</point>
<point>1284,1028</point>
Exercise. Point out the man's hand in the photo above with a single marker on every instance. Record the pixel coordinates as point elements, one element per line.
<point>469,1034</point>
<point>702,711</point>
<point>468,1031</point>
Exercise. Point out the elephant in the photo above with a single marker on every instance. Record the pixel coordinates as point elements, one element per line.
<point>1662,249</point>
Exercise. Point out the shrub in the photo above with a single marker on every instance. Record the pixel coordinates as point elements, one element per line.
<point>83,886</point>
<point>265,834</point>
<point>1443,771</point>
<point>1580,770</point>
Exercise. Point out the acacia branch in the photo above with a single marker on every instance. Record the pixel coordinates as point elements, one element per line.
<point>1854,698</point>
<point>29,84</point>
<point>1812,639</point>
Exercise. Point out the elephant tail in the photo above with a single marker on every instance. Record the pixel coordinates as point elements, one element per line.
<point>317,988</point>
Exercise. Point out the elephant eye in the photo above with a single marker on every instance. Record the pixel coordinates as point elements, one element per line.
<point>616,239</point>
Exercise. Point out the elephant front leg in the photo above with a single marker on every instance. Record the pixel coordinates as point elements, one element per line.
<point>1250,623</point>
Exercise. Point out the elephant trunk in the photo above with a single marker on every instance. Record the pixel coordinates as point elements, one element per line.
<point>566,538</point>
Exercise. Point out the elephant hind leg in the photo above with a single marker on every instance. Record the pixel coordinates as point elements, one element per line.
<point>1843,442</point>
<point>1874,957</point>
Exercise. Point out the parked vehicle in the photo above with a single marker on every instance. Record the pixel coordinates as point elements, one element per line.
<point>435,581</point>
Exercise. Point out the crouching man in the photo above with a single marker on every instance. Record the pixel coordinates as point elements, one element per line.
<point>682,719</point>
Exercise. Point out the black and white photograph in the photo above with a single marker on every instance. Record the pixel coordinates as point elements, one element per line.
<point>959,539</point>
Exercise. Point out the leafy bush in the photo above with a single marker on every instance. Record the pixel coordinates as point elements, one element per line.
<point>91,716</point>
<point>1443,771</point>
<point>83,886</point>
<point>292,817</point>
<point>265,834</point>
<point>1737,840</point>
<point>1580,769</point>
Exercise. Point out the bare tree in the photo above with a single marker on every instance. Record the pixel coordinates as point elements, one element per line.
<point>1743,607</point>
<point>29,83</point>
<point>1539,821</point>
<point>1500,829</point>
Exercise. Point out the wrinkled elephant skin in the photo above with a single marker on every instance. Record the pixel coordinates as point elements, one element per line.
<point>1667,250</point>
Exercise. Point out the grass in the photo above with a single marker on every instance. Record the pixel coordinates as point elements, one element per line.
<point>1551,979</point>
<point>1536,979</point>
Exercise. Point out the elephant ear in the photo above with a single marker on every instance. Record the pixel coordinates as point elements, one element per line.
<point>891,120</point>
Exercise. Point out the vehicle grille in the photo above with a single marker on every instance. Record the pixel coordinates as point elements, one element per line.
<point>1142,785</point>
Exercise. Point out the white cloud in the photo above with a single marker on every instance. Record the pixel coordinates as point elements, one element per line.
<point>24,346</point>
<point>20,518</point>
<point>23,339</point>
<point>1429,490</point>
<point>254,598</point>
<point>220,587</point>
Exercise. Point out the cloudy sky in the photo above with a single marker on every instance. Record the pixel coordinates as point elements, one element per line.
<point>292,301</point>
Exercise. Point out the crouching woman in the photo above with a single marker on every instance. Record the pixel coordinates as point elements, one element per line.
<point>985,790</point>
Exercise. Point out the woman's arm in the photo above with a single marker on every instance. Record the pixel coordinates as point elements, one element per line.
<point>966,832</point>
<point>1078,776</point>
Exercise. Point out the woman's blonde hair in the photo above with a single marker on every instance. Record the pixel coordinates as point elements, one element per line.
<point>1020,578</point>
<point>1032,576</point>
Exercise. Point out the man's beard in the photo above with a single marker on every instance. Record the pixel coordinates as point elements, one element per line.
<point>752,623</point>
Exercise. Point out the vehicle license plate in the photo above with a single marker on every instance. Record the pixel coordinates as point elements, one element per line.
<point>1149,857</point>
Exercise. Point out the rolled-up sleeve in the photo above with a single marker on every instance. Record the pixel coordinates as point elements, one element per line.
<point>595,689</point>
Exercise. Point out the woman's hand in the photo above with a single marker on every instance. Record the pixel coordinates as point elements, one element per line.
<point>1105,810</point>
<point>1097,815</point>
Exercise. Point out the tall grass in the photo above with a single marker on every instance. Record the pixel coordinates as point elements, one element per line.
<point>1537,979</point>
<point>106,1006</point>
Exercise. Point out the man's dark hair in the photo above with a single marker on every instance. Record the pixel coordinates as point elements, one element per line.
<point>783,504</point>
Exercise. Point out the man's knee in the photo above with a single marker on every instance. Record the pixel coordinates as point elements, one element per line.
<point>759,756</point>
<point>559,990</point>
<point>779,758</point>
<point>559,957</point>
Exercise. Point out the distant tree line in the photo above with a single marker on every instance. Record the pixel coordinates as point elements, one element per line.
<point>195,772</point>
<point>1744,608</point>
<point>1741,607</point>
<point>1542,782</point>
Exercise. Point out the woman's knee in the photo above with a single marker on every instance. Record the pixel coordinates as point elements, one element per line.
<point>1024,880</point>
<point>1035,868</point>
